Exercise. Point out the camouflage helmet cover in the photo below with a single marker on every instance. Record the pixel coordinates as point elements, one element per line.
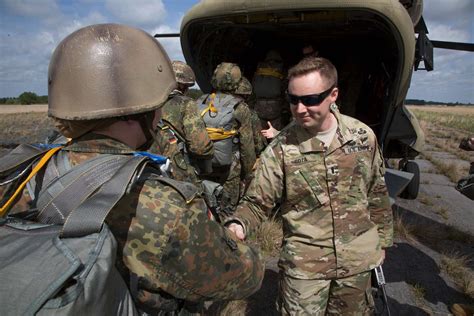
<point>183,73</point>
<point>226,77</point>
<point>244,88</point>
<point>108,70</point>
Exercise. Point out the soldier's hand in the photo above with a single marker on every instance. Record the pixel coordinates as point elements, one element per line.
<point>271,132</point>
<point>237,230</point>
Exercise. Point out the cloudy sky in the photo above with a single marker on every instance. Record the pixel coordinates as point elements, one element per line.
<point>31,29</point>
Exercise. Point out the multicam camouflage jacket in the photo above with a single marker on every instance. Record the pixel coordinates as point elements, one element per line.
<point>334,202</point>
<point>169,252</point>
<point>183,130</point>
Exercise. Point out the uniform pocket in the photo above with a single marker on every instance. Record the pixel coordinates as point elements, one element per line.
<point>304,191</point>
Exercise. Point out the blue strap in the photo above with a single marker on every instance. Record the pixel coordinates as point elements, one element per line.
<point>161,160</point>
<point>155,158</point>
<point>47,146</point>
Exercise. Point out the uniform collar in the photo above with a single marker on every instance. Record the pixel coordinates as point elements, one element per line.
<point>309,143</point>
<point>96,143</point>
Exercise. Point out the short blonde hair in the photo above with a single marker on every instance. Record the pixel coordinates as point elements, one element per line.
<point>312,63</point>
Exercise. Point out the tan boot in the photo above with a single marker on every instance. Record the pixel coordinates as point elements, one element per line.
<point>462,310</point>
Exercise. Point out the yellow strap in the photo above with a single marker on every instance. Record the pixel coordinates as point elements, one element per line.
<point>210,106</point>
<point>269,72</point>
<point>220,133</point>
<point>43,161</point>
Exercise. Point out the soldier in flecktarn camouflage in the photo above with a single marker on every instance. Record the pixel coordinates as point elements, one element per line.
<point>172,257</point>
<point>228,120</point>
<point>244,90</point>
<point>326,171</point>
<point>182,135</point>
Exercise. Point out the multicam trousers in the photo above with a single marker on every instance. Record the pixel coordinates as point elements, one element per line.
<point>345,296</point>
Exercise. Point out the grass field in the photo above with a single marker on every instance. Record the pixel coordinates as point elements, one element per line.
<point>457,117</point>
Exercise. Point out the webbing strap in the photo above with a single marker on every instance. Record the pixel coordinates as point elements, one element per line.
<point>90,215</point>
<point>269,72</point>
<point>220,133</point>
<point>210,106</point>
<point>67,192</point>
<point>43,161</point>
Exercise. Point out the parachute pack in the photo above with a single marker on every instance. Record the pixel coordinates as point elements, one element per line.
<point>58,257</point>
<point>217,111</point>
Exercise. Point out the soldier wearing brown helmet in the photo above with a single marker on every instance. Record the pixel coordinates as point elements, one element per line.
<point>229,123</point>
<point>107,84</point>
<point>182,135</point>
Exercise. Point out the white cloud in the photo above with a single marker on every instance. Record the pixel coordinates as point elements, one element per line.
<point>33,8</point>
<point>452,78</point>
<point>171,45</point>
<point>447,10</point>
<point>443,32</point>
<point>137,12</point>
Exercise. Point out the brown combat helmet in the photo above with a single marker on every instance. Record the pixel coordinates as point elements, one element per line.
<point>108,70</point>
<point>244,88</point>
<point>183,73</point>
<point>226,77</point>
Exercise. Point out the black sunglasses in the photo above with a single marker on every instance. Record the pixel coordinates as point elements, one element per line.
<point>310,99</point>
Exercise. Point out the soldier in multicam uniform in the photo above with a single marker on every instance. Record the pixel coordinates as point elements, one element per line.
<point>182,135</point>
<point>244,90</point>
<point>172,257</point>
<point>327,172</point>
<point>229,122</point>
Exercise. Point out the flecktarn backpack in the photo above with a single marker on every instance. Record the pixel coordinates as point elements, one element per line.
<point>59,257</point>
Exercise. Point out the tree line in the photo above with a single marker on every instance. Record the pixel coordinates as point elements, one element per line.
<point>424,102</point>
<point>26,98</point>
<point>33,98</point>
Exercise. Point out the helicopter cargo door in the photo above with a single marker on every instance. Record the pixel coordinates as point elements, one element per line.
<point>404,137</point>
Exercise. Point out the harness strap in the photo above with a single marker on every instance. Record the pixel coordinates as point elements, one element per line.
<point>88,217</point>
<point>220,133</point>
<point>269,72</point>
<point>43,161</point>
<point>210,106</point>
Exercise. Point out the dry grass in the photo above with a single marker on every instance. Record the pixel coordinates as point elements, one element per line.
<point>419,292</point>
<point>449,169</point>
<point>402,229</point>
<point>434,234</point>
<point>455,110</point>
<point>457,267</point>
<point>17,108</point>
<point>458,117</point>
<point>228,308</point>
<point>443,212</point>
<point>24,128</point>
<point>426,200</point>
<point>268,237</point>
